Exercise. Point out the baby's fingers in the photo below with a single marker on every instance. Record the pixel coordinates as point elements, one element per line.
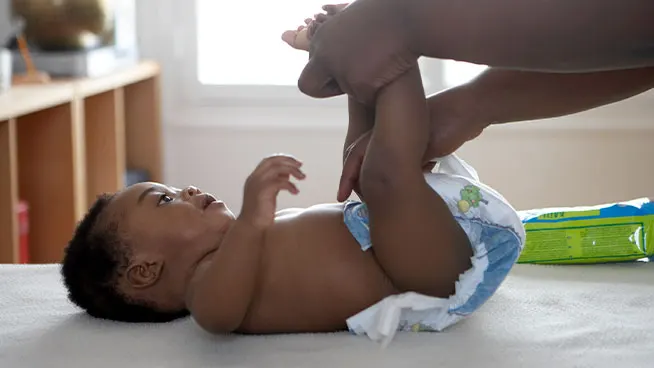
<point>297,173</point>
<point>278,159</point>
<point>286,184</point>
<point>289,171</point>
<point>284,169</point>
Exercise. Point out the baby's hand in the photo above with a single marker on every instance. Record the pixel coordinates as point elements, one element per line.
<point>263,185</point>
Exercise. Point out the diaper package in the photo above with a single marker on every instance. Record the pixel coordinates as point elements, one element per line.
<point>614,232</point>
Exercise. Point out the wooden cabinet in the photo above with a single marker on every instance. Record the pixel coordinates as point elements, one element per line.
<point>63,143</point>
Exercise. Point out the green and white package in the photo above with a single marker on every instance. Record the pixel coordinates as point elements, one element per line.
<point>614,232</point>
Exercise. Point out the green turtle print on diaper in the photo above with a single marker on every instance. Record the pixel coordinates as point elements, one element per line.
<point>471,197</point>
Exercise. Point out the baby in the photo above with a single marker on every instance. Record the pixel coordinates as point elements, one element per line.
<point>422,252</point>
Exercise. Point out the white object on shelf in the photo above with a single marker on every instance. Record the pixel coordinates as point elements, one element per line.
<point>5,70</point>
<point>77,64</point>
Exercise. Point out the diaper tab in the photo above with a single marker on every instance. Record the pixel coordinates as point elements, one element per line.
<point>355,216</point>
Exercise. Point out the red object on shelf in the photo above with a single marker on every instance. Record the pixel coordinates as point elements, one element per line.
<point>23,232</point>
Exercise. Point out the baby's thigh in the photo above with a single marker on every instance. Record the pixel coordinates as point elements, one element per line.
<point>422,248</point>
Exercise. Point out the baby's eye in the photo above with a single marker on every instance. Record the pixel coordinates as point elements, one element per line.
<point>165,199</point>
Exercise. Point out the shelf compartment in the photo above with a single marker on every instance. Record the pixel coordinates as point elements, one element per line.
<point>8,193</point>
<point>51,177</point>
<point>105,143</point>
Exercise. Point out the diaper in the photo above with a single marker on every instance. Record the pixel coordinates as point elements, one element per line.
<point>497,237</point>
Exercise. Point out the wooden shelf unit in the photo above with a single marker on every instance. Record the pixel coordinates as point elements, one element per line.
<point>63,143</point>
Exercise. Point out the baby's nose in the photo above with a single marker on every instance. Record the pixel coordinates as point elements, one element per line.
<point>192,191</point>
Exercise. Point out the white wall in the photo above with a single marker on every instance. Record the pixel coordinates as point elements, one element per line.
<point>599,156</point>
<point>531,167</point>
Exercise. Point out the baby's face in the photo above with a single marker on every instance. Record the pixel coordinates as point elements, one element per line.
<point>175,226</point>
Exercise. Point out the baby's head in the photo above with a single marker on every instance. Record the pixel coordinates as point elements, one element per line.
<point>133,254</point>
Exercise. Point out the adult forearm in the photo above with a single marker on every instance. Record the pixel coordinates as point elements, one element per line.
<point>502,96</point>
<point>497,96</point>
<point>542,35</point>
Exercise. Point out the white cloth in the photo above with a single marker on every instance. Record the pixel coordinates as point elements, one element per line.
<point>596,316</point>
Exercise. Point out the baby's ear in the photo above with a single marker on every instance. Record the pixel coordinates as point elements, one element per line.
<point>143,273</point>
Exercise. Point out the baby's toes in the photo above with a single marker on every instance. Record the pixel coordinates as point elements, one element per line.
<point>289,37</point>
<point>296,39</point>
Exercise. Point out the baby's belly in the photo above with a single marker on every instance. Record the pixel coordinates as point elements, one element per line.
<point>314,277</point>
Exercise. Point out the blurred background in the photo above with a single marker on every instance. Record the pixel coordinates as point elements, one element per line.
<point>229,98</point>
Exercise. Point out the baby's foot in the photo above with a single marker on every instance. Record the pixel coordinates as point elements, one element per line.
<point>300,39</point>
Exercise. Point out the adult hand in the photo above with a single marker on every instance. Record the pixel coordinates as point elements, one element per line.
<point>352,163</point>
<point>455,117</point>
<point>354,156</point>
<point>358,50</point>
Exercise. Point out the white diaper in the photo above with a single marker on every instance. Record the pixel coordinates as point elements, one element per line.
<point>497,237</point>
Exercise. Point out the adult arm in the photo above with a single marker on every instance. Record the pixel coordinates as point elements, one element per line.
<point>541,35</point>
<point>508,96</point>
<point>372,42</point>
<point>500,96</point>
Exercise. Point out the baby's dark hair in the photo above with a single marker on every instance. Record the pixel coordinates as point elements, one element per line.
<point>93,262</point>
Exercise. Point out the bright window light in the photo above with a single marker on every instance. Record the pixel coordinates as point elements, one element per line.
<point>457,72</point>
<point>239,42</point>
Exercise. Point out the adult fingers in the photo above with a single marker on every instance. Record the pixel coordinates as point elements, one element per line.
<point>316,81</point>
<point>349,175</point>
<point>333,9</point>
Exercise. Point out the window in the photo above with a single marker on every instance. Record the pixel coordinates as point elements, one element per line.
<point>239,42</point>
<point>457,72</point>
<point>238,52</point>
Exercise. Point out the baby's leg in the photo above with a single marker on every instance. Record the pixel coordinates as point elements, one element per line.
<point>415,237</point>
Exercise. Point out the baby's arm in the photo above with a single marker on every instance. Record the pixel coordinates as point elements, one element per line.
<point>221,290</point>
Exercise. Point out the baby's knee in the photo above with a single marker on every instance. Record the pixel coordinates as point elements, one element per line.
<point>378,180</point>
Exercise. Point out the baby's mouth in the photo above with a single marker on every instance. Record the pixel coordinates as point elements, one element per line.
<point>208,200</point>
